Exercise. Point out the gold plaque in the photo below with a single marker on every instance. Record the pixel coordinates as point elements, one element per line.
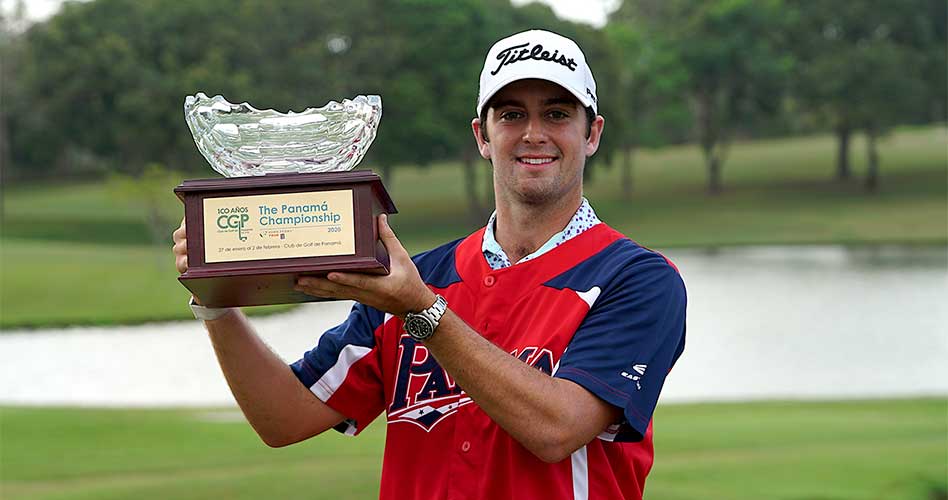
<point>278,226</point>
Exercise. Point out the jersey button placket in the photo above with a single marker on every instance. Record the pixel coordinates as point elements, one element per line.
<point>466,464</point>
<point>489,280</point>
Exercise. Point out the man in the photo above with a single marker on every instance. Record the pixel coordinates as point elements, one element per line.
<point>523,361</point>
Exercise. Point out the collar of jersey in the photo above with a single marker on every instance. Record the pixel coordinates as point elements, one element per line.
<point>472,267</point>
<point>583,219</point>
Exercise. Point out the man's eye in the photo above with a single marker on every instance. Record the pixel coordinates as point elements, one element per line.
<point>511,115</point>
<point>558,115</point>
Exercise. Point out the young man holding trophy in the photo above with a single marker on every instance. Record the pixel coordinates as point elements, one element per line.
<point>523,361</point>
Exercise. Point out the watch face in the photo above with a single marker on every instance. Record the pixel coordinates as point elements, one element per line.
<point>418,328</point>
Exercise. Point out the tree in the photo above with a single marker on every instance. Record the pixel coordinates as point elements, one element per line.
<point>733,53</point>
<point>648,80</point>
<point>863,67</point>
<point>11,46</point>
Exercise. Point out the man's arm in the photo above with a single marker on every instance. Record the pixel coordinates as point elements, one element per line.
<point>551,417</point>
<point>276,404</point>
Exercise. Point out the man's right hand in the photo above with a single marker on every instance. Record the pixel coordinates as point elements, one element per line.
<point>180,248</point>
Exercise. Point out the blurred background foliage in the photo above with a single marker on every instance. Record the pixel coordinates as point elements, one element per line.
<point>99,86</point>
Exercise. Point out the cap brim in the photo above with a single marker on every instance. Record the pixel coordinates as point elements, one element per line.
<point>581,97</point>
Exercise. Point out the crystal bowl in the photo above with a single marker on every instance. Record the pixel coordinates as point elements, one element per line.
<point>239,140</point>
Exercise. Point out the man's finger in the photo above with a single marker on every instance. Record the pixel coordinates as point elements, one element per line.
<point>387,235</point>
<point>180,248</point>
<point>318,286</point>
<point>326,289</point>
<point>313,282</point>
<point>180,233</point>
<point>354,280</point>
<point>385,232</point>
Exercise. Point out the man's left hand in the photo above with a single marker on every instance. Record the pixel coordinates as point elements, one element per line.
<point>400,292</point>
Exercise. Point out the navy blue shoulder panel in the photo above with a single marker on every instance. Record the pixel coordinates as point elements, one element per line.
<point>601,268</point>
<point>633,333</point>
<point>437,266</point>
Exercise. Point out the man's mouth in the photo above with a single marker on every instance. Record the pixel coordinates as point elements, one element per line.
<point>536,160</point>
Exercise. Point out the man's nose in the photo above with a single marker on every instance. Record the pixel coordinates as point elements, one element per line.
<point>535,131</point>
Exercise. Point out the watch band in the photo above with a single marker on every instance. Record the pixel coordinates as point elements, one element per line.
<point>208,313</point>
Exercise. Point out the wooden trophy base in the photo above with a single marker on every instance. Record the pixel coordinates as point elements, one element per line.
<point>250,238</point>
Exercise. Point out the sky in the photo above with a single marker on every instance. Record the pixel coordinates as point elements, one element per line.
<point>592,12</point>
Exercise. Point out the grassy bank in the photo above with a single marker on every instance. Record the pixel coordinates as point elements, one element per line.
<point>79,254</point>
<point>847,450</point>
<point>61,283</point>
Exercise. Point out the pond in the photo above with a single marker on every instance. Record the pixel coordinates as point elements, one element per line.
<point>810,322</point>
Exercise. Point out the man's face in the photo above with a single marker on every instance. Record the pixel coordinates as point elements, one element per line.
<point>537,142</point>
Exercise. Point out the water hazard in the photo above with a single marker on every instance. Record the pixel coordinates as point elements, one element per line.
<point>763,323</point>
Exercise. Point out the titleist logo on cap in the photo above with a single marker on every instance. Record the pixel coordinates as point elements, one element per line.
<point>523,52</point>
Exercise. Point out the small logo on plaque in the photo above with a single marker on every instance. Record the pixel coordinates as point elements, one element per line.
<point>230,219</point>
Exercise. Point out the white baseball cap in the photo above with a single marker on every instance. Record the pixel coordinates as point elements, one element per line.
<point>542,55</point>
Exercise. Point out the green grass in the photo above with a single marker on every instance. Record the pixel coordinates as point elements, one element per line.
<point>864,450</point>
<point>181,454</point>
<point>79,254</point>
<point>83,278</point>
<point>829,450</point>
<point>66,283</point>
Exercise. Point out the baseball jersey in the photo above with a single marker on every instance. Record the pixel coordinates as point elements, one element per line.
<point>598,310</point>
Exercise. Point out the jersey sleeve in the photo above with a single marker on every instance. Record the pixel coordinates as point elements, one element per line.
<point>625,347</point>
<point>343,370</point>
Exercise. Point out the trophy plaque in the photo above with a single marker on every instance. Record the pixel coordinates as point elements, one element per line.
<point>288,205</point>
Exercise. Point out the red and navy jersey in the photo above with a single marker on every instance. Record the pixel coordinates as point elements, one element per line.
<point>598,310</point>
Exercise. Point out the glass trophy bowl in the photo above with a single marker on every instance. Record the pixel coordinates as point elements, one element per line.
<point>239,140</point>
<point>252,235</point>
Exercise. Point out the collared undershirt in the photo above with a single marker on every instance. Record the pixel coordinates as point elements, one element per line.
<point>583,219</point>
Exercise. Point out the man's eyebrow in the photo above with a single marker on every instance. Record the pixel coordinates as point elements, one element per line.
<point>563,100</point>
<point>560,100</point>
<point>506,103</point>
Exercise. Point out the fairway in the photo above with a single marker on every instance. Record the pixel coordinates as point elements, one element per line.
<point>860,450</point>
<point>78,254</point>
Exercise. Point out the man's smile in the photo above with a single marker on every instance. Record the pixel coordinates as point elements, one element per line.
<point>536,160</point>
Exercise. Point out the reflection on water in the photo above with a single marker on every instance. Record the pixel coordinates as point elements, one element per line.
<point>862,257</point>
<point>763,322</point>
<point>825,321</point>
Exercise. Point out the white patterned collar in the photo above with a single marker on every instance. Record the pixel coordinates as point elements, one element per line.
<point>583,219</point>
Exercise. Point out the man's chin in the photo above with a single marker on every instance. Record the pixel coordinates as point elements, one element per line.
<point>538,195</point>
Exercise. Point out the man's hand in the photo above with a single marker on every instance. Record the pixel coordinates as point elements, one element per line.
<point>401,292</point>
<point>180,248</point>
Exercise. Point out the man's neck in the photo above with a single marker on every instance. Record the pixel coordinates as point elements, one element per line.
<point>521,229</point>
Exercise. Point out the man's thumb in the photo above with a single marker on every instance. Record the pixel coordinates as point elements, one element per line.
<point>385,231</point>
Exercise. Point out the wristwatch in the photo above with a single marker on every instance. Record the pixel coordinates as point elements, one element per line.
<point>207,313</point>
<point>422,325</point>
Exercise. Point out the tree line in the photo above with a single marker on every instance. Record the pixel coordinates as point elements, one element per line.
<point>99,86</point>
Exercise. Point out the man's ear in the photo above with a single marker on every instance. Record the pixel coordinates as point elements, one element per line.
<point>482,146</point>
<point>595,133</point>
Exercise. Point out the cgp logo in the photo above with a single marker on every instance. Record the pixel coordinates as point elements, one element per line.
<point>233,218</point>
